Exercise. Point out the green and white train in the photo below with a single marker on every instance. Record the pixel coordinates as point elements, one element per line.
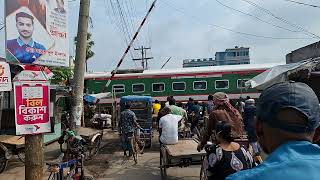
<point>182,83</point>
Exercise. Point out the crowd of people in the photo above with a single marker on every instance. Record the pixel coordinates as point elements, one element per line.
<point>283,125</point>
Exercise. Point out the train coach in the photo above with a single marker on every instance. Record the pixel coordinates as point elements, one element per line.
<point>197,82</point>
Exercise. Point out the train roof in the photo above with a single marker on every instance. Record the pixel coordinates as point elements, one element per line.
<point>226,68</point>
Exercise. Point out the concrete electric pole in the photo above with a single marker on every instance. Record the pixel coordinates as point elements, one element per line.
<point>79,69</point>
<point>143,59</point>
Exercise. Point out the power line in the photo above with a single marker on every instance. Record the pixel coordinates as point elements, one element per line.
<point>125,24</point>
<point>255,17</point>
<point>280,18</point>
<point>123,20</point>
<point>131,15</point>
<point>198,20</point>
<point>302,3</point>
<point>119,25</point>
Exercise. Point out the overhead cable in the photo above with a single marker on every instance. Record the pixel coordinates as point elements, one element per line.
<point>198,20</point>
<point>280,18</point>
<point>255,17</point>
<point>302,3</point>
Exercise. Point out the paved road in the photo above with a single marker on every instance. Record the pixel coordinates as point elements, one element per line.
<point>110,164</point>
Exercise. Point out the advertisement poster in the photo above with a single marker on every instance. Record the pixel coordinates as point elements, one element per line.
<point>5,77</point>
<point>37,32</point>
<point>32,107</point>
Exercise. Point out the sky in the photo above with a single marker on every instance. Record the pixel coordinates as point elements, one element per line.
<point>184,29</point>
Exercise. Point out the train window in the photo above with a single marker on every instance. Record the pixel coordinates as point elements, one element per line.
<point>138,88</point>
<point>118,88</point>
<point>222,84</point>
<point>178,86</point>
<point>158,87</point>
<point>199,85</point>
<point>241,83</point>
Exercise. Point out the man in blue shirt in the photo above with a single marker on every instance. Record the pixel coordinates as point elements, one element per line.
<point>24,48</point>
<point>127,123</point>
<point>287,115</point>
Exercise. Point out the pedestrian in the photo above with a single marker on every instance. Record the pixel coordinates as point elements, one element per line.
<point>210,105</point>
<point>227,157</point>
<point>223,111</point>
<point>176,110</point>
<point>167,102</point>
<point>190,104</point>
<point>127,123</point>
<point>288,114</point>
<point>156,107</point>
<point>316,137</point>
<point>240,105</point>
<point>168,127</point>
<point>248,120</point>
<point>195,115</point>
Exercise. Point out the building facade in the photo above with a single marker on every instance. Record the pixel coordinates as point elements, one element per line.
<point>233,56</point>
<point>307,52</point>
<point>199,62</point>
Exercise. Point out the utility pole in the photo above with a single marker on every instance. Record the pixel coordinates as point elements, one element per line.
<point>143,59</point>
<point>34,157</point>
<point>79,69</point>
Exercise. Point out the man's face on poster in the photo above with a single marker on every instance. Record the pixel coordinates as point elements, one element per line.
<point>25,27</point>
<point>60,4</point>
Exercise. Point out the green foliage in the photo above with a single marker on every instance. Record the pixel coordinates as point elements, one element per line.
<point>61,75</point>
<point>90,44</point>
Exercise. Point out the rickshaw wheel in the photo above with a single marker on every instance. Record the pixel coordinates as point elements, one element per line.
<point>95,146</point>
<point>3,162</point>
<point>21,155</point>
<point>163,163</point>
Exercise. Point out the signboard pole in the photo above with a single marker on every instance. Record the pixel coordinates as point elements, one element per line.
<point>32,113</point>
<point>79,69</point>
<point>34,157</point>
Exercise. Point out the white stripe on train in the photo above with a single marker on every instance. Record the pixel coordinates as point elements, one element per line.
<point>203,97</point>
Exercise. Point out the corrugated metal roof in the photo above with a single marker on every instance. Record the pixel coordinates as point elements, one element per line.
<point>226,68</point>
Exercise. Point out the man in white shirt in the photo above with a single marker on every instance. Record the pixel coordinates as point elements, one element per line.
<point>168,127</point>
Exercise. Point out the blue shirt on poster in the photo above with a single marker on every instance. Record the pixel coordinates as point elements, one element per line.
<point>25,53</point>
<point>294,160</point>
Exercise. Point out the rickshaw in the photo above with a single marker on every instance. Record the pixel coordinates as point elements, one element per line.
<point>10,145</point>
<point>142,107</point>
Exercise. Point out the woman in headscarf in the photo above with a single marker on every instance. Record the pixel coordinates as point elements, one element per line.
<point>223,111</point>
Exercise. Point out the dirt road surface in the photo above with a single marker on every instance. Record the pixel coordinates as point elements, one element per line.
<point>111,164</point>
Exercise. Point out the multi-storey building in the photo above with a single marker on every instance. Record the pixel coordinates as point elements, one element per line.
<point>233,56</point>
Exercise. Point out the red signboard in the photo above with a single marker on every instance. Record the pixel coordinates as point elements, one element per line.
<point>32,107</point>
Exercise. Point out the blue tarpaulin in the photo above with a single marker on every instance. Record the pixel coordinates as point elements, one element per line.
<point>93,98</point>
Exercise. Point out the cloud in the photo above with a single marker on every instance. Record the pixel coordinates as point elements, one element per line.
<point>181,29</point>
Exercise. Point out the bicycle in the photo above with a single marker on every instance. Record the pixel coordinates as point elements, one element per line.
<point>76,156</point>
<point>137,147</point>
<point>76,171</point>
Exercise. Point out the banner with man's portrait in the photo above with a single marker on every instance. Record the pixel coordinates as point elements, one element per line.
<point>37,32</point>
